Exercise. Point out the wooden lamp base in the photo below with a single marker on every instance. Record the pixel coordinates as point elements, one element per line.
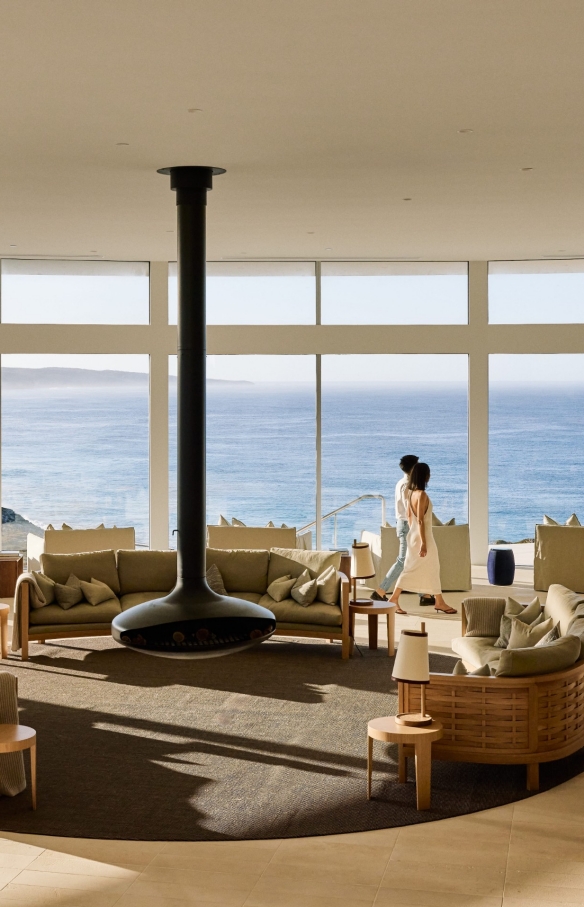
<point>413,719</point>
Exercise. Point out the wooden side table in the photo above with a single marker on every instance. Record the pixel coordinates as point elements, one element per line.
<point>373,609</point>
<point>4,612</point>
<point>16,737</point>
<point>10,570</point>
<point>421,738</point>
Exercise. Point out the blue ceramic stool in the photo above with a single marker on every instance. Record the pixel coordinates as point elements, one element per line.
<point>501,567</point>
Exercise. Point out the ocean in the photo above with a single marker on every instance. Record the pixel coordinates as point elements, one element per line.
<point>80,456</point>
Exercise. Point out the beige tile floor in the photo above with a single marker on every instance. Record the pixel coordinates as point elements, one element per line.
<point>528,854</point>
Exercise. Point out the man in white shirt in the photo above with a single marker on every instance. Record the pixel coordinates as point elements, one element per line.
<point>402,528</point>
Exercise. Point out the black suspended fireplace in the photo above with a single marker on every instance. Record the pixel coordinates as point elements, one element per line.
<point>192,621</point>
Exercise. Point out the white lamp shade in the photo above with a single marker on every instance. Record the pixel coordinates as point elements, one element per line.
<point>412,663</point>
<point>361,561</point>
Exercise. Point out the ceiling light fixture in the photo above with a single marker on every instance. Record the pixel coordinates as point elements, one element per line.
<point>122,143</point>
<point>328,249</point>
<point>407,199</point>
<point>310,232</point>
<point>465,131</point>
<point>195,109</point>
<point>13,245</point>
<point>525,169</point>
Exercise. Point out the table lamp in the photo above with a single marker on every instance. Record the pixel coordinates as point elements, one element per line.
<point>412,665</point>
<point>361,564</point>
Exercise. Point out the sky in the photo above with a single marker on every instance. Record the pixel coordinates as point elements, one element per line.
<point>284,293</point>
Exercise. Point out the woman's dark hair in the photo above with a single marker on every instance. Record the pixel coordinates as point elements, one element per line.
<point>408,462</point>
<point>419,477</point>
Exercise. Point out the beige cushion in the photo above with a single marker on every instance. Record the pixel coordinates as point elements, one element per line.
<point>289,611</point>
<point>96,592</point>
<point>47,588</point>
<point>69,594</point>
<point>327,586</point>
<point>476,650</point>
<point>293,561</point>
<point>483,615</point>
<point>557,656</point>
<point>483,671</point>
<point>573,521</point>
<point>241,569</point>
<point>562,605</point>
<point>100,564</point>
<point>304,589</point>
<point>548,521</point>
<point>141,570</point>
<point>524,636</point>
<point>281,588</point>
<point>247,596</point>
<point>551,636</point>
<point>215,580</point>
<point>78,614</point>
<point>576,629</point>
<point>559,557</point>
<point>257,538</point>
<point>525,613</point>
<point>131,599</point>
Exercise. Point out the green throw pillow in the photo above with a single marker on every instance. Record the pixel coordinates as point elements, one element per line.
<point>96,592</point>
<point>304,589</point>
<point>528,614</point>
<point>483,671</point>
<point>215,580</point>
<point>327,586</point>
<point>69,594</point>
<point>281,588</point>
<point>47,588</point>
<point>553,634</point>
<point>525,636</point>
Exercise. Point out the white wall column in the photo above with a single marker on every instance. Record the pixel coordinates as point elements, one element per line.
<point>159,491</point>
<point>478,412</point>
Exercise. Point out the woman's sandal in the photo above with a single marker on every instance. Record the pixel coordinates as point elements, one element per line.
<point>447,610</point>
<point>399,610</point>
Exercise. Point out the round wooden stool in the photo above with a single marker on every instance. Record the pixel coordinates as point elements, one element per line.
<point>421,738</point>
<point>373,609</point>
<point>4,612</point>
<point>16,737</point>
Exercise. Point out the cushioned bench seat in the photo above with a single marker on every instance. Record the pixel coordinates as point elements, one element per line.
<point>477,650</point>
<point>289,611</point>
<point>78,614</point>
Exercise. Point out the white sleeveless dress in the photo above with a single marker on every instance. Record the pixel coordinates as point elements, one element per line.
<point>420,574</point>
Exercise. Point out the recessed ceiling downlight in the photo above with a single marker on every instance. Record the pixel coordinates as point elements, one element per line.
<point>465,131</point>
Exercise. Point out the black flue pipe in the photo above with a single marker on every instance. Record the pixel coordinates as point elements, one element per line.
<point>192,621</point>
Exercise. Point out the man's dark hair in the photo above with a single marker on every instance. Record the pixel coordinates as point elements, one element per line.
<point>408,462</point>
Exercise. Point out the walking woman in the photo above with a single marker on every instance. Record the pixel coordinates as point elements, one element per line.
<point>422,567</point>
<point>406,464</point>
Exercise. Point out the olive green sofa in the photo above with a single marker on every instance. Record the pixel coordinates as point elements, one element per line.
<point>137,576</point>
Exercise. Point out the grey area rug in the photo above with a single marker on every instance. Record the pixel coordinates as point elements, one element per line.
<point>266,743</point>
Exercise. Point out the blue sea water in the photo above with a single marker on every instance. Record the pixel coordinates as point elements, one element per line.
<point>81,456</point>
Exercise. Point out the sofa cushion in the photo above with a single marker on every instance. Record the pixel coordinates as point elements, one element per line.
<point>557,656</point>
<point>70,594</point>
<point>561,605</point>
<point>247,596</point>
<point>100,564</point>
<point>47,589</point>
<point>78,614</point>
<point>242,569</point>
<point>304,590</point>
<point>289,611</point>
<point>281,588</point>
<point>141,570</point>
<point>483,616</point>
<point>95,592</point>
<point>477,650</point>
<point>215,580</point>
<point>525,636</point>
<point>295,560</point>
<point>576,629</point>
<point>131,599</point>
<point>528,614</point>
<point>328,585</point>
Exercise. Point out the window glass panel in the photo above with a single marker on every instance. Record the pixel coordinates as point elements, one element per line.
<point>74,442</point>
<point>250,292</point>
<point>261,440</point>
<point>75,292</point>
<point>536,292</point>
<point>536,454</point>
<point>376,409</point>
<point>394,292</point>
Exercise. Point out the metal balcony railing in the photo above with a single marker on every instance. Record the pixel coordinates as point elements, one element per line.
<point>334,513</point>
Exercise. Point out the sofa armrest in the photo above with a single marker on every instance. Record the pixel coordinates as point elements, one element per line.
<point>483,605</point>
<point>20,621</point>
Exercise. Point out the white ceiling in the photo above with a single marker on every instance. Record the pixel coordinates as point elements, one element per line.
<point>326,114</point>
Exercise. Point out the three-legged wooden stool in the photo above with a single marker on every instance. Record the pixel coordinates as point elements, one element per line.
<point>16,737</point>
<point>421,738</point>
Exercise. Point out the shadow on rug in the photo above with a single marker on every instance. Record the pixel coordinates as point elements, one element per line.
<point>269,743</point>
